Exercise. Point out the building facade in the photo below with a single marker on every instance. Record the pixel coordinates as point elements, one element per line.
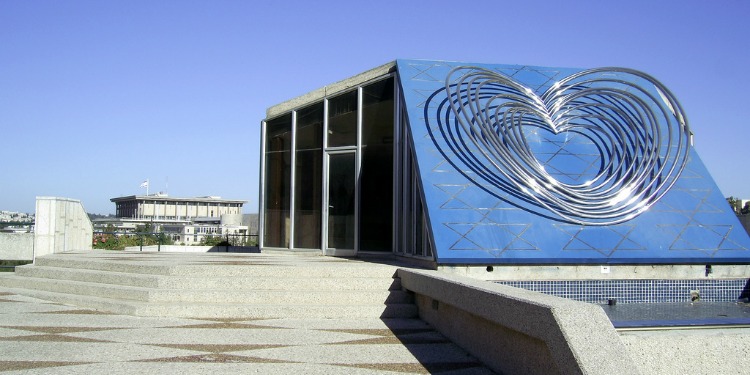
<point>483,164</point>
<point>186,220</point>
<point>164,207</point>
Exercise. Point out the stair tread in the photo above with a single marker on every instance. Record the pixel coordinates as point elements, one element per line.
<point>206,290</point>
<point>165,285</point>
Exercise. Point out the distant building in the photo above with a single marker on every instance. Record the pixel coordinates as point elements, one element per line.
<point>741,208</point>
<point>186,220</point>
<point>16,222</point>
<point>163,207</point>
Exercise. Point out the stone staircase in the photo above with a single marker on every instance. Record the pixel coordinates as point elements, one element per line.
<point>216,285</point>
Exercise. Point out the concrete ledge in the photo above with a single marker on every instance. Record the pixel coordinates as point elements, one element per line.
<point>16,246</point>
<point>515,331</point>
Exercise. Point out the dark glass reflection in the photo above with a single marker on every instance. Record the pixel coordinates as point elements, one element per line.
<point>376,215</point>
<point>308,177</point>
<point>341,196</point>
<point>278,179</point>
<point>342,120</point>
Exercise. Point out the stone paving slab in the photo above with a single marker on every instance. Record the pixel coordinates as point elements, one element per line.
<point>371,354</point>
<point>40,337</point>
<point>235,335</point>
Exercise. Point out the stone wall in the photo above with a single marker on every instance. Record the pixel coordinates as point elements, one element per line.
<point>16,246</point>
<point>61,225</point>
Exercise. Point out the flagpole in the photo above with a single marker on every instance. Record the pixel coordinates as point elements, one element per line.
<point>145,184</point>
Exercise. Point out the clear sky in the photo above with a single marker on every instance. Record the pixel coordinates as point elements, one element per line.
<point>97,96</point>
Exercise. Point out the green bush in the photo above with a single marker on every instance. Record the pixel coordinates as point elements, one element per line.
<point>111,241</point>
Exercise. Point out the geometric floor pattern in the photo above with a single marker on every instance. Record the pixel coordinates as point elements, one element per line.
<point>40,337</point>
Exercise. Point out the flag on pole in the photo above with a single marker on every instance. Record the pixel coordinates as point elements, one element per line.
<point>144,184</point>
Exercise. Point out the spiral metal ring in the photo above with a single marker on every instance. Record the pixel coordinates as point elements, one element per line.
<point>635,123</point>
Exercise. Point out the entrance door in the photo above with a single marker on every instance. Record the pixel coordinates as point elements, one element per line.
<point>341,198</point>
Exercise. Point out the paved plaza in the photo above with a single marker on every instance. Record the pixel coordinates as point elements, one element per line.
<point>39,337</point>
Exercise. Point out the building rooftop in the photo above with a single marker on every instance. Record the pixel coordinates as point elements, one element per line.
<point>164,197</point>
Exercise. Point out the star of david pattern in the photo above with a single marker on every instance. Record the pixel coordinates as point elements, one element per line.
<point>471,222</point>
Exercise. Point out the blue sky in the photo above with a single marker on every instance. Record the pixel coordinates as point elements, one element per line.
<point>97,96</point>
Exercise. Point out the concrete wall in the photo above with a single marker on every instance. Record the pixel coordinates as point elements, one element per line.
<point>194,249</point>
<point>16,246</point>
<point>61,225</point>
<point>598,272</point>
<point>515,331</point>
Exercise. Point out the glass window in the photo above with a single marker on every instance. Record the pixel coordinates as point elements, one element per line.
<point>308,171</point>
<point>408,205</point>
<point>342,120</point>
<point>278,178</point>
<point>376,223</point>
<point>341,196</point>
<point>418,221</point>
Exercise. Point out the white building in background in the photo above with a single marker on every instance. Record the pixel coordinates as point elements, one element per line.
<point>186,220</point>
<point>163,207</point>
<point>16,222</point>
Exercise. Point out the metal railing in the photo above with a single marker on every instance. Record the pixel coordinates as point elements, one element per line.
<point>119,241</point>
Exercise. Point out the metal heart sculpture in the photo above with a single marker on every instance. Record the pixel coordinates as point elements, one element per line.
<point>635,123</point>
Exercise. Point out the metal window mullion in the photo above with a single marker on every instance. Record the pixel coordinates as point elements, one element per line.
<point>261,193</point>
<point>422,251</point>
<point>412,209</point>
<point>324,182</point>
<point>396,169</point>
<point>406,230</point>
<point>413,202</point>
<point>404,188</point>
<point>292,179</point>
<point>357,168</point>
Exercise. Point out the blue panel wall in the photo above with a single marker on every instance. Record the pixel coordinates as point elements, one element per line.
<point>478,216</point>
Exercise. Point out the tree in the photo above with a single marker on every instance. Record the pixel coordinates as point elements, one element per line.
<point>144,235</point>
<point>734,203</point>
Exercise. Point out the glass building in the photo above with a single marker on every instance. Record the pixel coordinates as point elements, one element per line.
<point>331,169</point>
<point>457,163</point>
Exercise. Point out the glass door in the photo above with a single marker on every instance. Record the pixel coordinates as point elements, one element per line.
<point>341,198</point>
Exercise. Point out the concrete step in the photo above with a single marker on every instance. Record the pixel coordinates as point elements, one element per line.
<point>80,274</point>
<point>216,285</point>
<point>75,287</point>
<point>231,267</point>
<point>102,265</point>
<point>222,310</point>
<point>301,297</point>
<point>286,283</point>
<point>208,282</point>
<point>281,297</point>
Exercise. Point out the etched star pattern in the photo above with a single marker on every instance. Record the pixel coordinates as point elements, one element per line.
<point>562,157</point>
